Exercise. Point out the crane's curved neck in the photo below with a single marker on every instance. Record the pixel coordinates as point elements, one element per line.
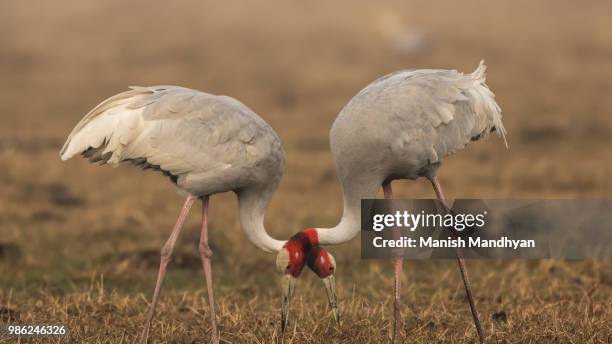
<point>353,191</point>
<point>253,203</point>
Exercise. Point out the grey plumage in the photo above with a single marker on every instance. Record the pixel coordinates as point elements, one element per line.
<point>401,126</point>
<point>417,118</point>
<point>208,143</point>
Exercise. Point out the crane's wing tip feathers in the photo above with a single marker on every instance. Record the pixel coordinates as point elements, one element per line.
<point>505,141</point>
<point>501,132</point>
<point>480,72</point>
<point>64,154</point>
<point>479,75</point>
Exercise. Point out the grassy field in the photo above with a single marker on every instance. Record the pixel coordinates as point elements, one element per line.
<point>79,244</point>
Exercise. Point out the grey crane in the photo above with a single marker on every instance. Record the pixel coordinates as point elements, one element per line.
<point>205,143</point>
<point>401,126</point>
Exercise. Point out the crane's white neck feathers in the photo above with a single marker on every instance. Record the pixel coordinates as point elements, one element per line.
<point>253,203</point>
<point>354,190</point>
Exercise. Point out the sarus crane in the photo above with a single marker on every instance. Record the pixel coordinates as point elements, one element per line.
<point>401,126</point>
<point>206,144</point>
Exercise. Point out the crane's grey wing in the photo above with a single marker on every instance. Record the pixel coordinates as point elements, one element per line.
<point>177,130</point>
<point>433,111</point>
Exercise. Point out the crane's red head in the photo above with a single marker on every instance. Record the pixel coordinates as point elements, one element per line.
<point>300,249</point>
<point>292,258</point>
<point>321,262</point>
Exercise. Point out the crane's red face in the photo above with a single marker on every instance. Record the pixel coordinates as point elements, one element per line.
<point>321,262</point>
<point>292,258</point>
<point>290,261</point>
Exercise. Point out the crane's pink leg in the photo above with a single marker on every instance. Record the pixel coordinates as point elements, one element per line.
<point>466,281</point>
<point>206,254</point>
<point>397,263</point>
<point>166,253</point>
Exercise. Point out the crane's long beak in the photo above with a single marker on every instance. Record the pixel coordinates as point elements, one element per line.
<point>330,288</point>
<point>288,285</point>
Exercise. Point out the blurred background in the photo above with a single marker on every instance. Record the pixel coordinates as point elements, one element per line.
<point>79,244</point>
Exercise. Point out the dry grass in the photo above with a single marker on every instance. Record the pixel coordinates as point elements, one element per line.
<point>537,302</point>
<point>78,244</point>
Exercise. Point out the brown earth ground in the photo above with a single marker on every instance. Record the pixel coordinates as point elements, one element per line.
<point>79,243</point>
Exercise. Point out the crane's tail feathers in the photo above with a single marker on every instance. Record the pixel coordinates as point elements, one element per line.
<point>480,72</point>
<point>485,102</point>
<point>104,132</point>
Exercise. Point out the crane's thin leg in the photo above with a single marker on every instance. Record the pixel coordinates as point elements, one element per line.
<point>397,263</point>
<point>466,281</point>
<point>166,253</point>
<point>206,255</point>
